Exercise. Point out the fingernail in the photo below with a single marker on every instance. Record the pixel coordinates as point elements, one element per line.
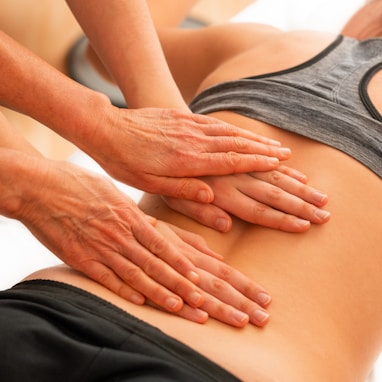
<point>273,162</point>
<point>263,298</point>
<point>201,316</point>
<point>322,215</point>
<point>285,151</point>
<point>240,317</point>
<point>274,143</point>
<point>319,196</point>
<point>204,196</point>
<point>195,299</point>
<point>301,177</point>
<point>260,316</point>
<point>137,299</point>
<point>193,277</point>
<point>302,223</point>
<point>173,303</point>
<point>222,224</point>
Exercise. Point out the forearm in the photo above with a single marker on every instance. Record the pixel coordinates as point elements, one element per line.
<point>130,50</point>
<point>33,87</point>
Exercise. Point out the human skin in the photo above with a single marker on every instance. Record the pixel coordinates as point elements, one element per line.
<point>357,27</point>
<point>326,311</point>
<point>81,217</point>
<point>276,211</point>
<point>45,204</point>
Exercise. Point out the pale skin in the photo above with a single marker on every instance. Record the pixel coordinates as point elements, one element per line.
<point>89,224</point>
<point>326,311</point>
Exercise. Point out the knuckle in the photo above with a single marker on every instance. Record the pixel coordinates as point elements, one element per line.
<point>232,159</point>
<point>150,265</point>
<point>103,278</point>
<point>179,263</point>
<point>183,188</point>
<point>240,143</point>
<point>132,275</point>
<point>156,245</point>
<point>274,177</point>
<point>258,210</point>
<point>284,222</point>
<point>224,272</point>
<point>218,286</point>
<point>274,193</point>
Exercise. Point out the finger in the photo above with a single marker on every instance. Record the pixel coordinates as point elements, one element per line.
<point>271,206</point>
<point>151,241</point>
<point>214,164</point>
<point>233,292</point>
<point>245,146</point>
<point>228,277</point>
<point>293,173</point>
<point>154,267</point>
<point>195,241</point>
<point>232,297</point>
<point>106,277</point>
<point>156,281</point>
<point>206,214</point>
<point>230,162</point>
<point>249,209</point>
<point>252,211</point>
<point>230,315</point>
<point>181,188</point>
<point>293,187</point>
<point>215,127</point>
<point>192,314</point>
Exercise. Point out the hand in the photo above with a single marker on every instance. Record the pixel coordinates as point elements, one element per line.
<point>277,199</point>
<point>162,150</point>
<point>229,296</point>
<point>94,228</point>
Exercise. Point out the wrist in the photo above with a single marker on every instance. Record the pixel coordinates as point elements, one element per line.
<point>83,115</point>
<point>17,181</point>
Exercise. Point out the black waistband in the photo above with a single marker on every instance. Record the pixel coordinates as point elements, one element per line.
<point>88,321</point>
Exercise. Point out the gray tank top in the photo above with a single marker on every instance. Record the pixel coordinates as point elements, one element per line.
<point>324,99</point>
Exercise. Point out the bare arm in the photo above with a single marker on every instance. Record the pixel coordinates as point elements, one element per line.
<point>130,49</point>
<point>33,87</point>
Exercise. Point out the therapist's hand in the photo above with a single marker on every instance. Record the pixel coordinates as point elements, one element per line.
<point>229,296</point>
<point>278,199</point>
<point>94,228</point>
<point>163,150</point>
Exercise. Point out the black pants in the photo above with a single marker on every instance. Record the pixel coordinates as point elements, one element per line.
<point>53,332</point>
